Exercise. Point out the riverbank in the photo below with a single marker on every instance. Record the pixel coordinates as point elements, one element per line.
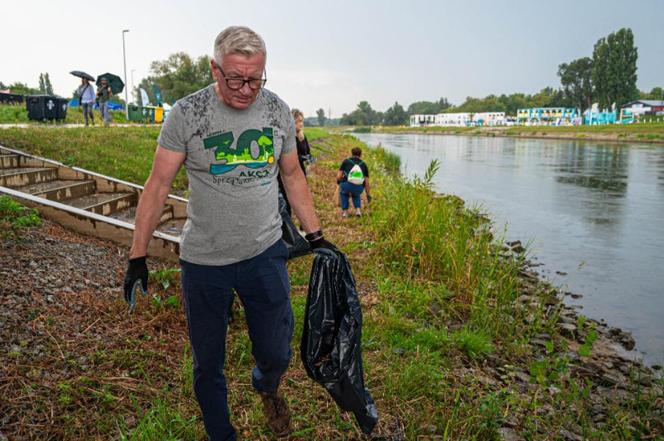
<point>460,338</point>
<point>642,133</point>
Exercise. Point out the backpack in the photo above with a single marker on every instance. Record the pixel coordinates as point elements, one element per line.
<point>355,175</point>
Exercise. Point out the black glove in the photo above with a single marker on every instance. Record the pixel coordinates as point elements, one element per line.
<point>137,276</point>
<point>317,240</point>
<point>368,199</point>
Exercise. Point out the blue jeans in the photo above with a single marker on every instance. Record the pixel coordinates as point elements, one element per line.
<point>103,108</point>
<point>87,111</point>
<point>347,190</point>
<point>264,289</point>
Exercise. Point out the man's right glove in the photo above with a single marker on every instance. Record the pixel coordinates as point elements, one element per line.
<point>317,240</point>
<point>136,277</point>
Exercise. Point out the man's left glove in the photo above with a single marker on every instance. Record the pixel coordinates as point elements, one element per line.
<point>317,240</point>
<point>136,277</point>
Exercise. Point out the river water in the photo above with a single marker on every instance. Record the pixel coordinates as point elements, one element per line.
<point>593,213</point>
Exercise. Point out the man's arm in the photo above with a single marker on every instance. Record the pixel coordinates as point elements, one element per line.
<point>165,167</point>
<point>297,191</point>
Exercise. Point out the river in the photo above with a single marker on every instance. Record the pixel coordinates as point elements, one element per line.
<point>593,214</point>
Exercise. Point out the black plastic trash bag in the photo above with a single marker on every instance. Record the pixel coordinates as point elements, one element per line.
<point>330,346</point>
<point>297,245</point>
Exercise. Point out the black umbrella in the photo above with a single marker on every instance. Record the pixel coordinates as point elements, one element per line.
<point>116,83</point>
<point>81,74</point>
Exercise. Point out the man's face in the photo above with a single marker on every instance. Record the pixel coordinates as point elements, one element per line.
<point>236,66</point>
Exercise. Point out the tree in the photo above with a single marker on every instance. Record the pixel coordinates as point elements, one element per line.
<point>177,76</point>
<point>48,87</point>
<point>657,93</point>
<point>614,69</point>
<point>363,115</point>
<point>576,79</point>
<point>395,115</point>
<point>22,89</point>
<point>42,84</point>
<point>428,107</point>
<point>320,114</point>
<point>600,75</point>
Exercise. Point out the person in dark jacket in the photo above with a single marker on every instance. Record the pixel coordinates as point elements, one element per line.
<point>353,179</point>
<point>303,149</point>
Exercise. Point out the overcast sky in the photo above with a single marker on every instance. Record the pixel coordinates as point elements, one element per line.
<point>333,54</point>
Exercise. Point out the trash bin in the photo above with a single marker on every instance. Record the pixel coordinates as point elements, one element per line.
<point>159,115</point>
<point>135,113</point>
<point>43,107</point>
<point>10,98</point>
<point>149,113</point>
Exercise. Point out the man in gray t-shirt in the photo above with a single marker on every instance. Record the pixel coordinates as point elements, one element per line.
<point>234,138</point>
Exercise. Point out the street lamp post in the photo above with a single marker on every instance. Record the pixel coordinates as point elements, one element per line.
<point>124,57</point>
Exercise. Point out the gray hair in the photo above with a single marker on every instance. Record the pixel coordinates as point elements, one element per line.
<point>238,40</point>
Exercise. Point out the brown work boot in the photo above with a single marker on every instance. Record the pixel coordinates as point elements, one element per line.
<point>276,413</point>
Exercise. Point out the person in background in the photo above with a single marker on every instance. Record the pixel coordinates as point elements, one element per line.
<point>104,94</point>
<point>303,149</point>
<point>86,95</point>
<point>353,179</point>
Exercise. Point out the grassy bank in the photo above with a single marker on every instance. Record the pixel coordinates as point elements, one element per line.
<point>646,132</point>
<point>460,341</point>
<point>18,114</point>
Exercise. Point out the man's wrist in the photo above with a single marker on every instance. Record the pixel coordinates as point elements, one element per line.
<point>314,236</point>
<point>138,258</point>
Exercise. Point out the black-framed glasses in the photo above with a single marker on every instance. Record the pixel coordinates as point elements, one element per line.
<point>237,83</point>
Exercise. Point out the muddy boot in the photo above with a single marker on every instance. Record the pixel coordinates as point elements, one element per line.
<point>276,413</point>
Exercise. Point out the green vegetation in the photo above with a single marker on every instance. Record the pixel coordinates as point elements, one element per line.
<point>177,76</point>
<point>123,152</point>
<point>640,132</point>
<point>18,114</point>
<point>446,339</point>
<point>14,217</point>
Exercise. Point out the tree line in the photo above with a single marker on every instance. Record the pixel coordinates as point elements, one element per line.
<point>19,88</point>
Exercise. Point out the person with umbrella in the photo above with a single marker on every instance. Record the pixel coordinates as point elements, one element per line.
<point>86,96</point>
<point>104,94</point>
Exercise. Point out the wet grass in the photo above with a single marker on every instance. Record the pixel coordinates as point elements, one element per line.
<point>122,152</point>
<point>445,346</point>
<point>18,114</point>
<point>14,217</point>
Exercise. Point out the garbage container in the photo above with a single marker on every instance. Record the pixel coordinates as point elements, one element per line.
<point>43,107</point>
<point>149,113</point>
<point>159,115</point>
<point>135,113</point>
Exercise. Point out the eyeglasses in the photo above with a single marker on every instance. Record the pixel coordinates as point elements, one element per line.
<point>237,83</point>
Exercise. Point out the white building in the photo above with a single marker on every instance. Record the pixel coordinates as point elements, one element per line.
<point>489,118</point>
<point>422,120</point>
<point>453,119</point>
<point>459,119</point>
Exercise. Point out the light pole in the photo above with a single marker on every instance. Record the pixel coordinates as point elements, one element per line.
<point>124,57</point>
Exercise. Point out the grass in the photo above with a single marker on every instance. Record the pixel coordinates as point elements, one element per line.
<point>18,114</point>
<point>647,131</point>
<point>443,340</point>
<point>14,217</point>
<point>123,152</point>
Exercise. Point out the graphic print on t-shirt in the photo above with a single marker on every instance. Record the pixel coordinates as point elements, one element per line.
<point>254,149</point>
